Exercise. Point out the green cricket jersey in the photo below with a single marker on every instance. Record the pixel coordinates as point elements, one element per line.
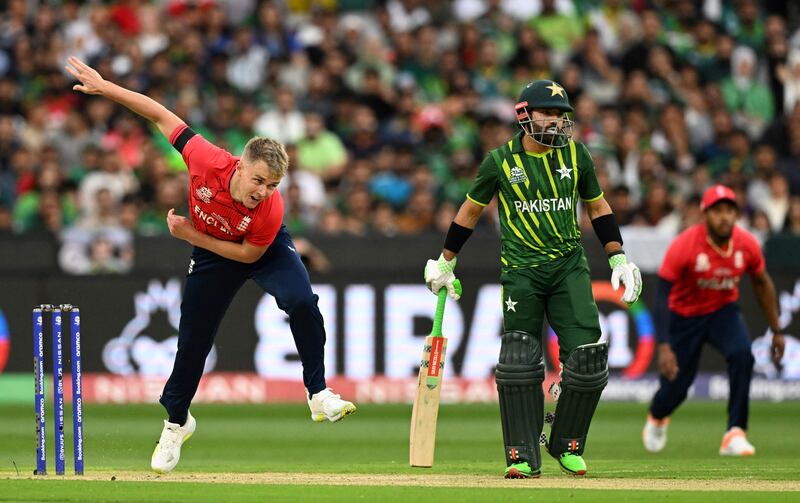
<point>537,199</point>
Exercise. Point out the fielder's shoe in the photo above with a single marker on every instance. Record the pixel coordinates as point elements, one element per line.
<point>522,471</point>
<point>735,443</point>
<point>327,405</point>
<point>572,464</point>
<point>654,434</point>
<point>168,449</point>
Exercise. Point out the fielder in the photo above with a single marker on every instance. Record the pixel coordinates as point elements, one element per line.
<point>237,233</point>
<point>696,303</point>
<point>538,177</point>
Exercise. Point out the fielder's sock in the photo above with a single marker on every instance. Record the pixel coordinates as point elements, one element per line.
<point>181,420</point>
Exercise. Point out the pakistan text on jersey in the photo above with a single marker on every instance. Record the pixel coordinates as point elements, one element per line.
<point>540,205</point>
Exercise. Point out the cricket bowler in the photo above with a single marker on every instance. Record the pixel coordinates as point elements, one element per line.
<point>237,231</point>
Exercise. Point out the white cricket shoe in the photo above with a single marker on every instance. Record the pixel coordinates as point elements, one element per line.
<point>168,449</point>
<point>654,434</point>
<point>735,443</point>
<point>328,405</point>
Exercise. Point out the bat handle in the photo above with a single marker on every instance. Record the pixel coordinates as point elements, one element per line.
<point>437,318</point>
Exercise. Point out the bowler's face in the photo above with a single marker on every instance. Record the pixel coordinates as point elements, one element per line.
<point>257,184</point>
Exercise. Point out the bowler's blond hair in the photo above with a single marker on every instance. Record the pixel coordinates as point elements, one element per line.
<point>270,151</point>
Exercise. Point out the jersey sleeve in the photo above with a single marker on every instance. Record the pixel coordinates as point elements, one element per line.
<point>755,257</point>
<point>673,264</point>
<point>267,223</point>
<point>588,186</point>
<point>199,154</point>
<point>485,184</point>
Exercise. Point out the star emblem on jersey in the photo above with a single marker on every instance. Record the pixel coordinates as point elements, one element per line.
<point>555,89</point>
<point>511,305</point>
<point>565,172</point>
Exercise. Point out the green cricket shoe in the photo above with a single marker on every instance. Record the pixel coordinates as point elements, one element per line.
<point>522,471</point>
<point>572,464</point>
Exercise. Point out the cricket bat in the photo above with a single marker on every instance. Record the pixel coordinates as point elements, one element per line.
<point>429,388</point>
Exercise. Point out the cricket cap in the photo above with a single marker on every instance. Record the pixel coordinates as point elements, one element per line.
<point>715,194</point>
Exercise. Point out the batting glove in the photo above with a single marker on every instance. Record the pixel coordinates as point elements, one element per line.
<point>629,274</point>
<point>439,273</point>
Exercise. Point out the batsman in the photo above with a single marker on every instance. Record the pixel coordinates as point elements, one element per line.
<point>539,176</point>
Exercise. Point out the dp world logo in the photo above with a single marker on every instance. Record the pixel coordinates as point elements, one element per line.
<point>145,347</point>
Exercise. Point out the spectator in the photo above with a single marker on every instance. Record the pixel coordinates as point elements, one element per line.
<point>111,175</point>
<point>747,99</point>
<point>776,206</point>
<point>320,151</point>
<point>285,122</point>
<point>792,224</point>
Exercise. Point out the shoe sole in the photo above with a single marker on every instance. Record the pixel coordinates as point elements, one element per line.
<point>347,411</point>
<point>163,472</point>
<point>513,473</point>
<point>738,454</point>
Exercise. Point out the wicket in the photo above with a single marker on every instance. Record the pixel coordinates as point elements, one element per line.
<point>57,312</point>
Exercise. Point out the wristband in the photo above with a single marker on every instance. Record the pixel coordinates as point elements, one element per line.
<point>606,229</point>
<point>457,235</point>
<point>616,259</point>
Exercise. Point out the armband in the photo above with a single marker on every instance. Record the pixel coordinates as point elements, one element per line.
<point>606,229</point>
<point>457,235</point>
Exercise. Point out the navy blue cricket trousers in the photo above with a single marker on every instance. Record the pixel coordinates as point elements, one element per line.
<point>725,330</point>
<point>210,287</point>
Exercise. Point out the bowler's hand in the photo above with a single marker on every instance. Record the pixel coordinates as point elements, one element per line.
<point>180,227</point>
<point>91,81</point>
<point>439,273</point>
<point>628,274</point>
<point>776,350</point>
<point>667,363</point>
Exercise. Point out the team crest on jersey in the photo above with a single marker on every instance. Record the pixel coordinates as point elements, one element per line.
<point>204,194</point>
<point>702,263</point>
<point>517,175</point>
<point>243,224</point>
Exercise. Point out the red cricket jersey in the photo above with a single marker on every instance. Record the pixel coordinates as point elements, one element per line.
<point>704,279</point>
<point>214,212</point>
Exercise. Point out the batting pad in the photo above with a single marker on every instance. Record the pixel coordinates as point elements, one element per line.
<point>519,377</point>
<point>583,378</point>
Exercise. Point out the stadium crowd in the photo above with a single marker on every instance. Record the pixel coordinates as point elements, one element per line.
<point>388,107</point>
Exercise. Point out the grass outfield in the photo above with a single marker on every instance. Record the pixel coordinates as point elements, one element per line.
<point>250,453</point>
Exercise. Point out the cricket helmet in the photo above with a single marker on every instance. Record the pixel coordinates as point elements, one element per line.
<point>545,95</point>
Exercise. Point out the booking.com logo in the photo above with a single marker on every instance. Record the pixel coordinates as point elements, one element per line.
<point>615,331</point>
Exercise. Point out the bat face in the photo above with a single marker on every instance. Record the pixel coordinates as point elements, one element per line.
<point>426,403</point>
